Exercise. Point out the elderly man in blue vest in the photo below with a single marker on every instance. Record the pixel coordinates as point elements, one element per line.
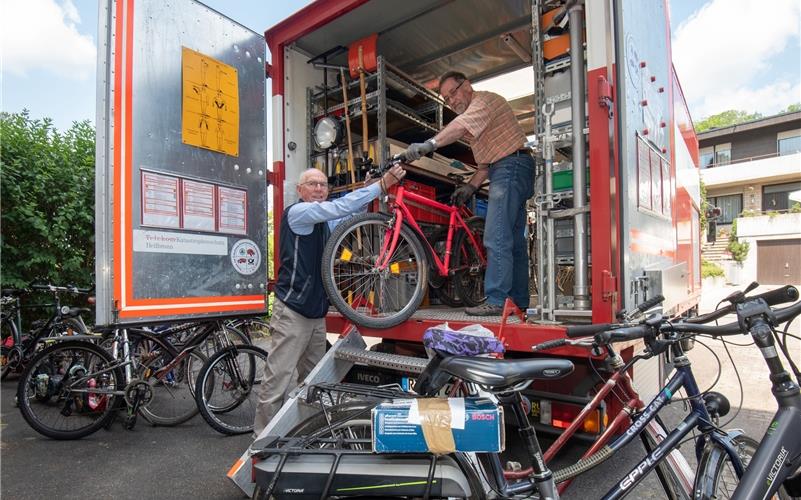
<point>298,320</point>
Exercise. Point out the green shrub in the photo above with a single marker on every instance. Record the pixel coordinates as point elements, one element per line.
<point>711,270</point>
<point>771,214</point>
<point>796,208</point>
<point>738,249</point>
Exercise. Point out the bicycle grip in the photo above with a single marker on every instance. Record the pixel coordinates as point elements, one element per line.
<point>623,334</point>
<point>550,344</point>
<point>653,301</point>
<point>787,293</point>
<point>586,330</point>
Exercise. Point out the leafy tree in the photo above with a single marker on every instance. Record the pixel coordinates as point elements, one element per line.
<point>725,119</point>
<point>792,108</point>
<point>47,184</point>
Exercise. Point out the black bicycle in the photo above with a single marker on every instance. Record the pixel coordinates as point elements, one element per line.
<point>775,465</point>
<point>17,347</point>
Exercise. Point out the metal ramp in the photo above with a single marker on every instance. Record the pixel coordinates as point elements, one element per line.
<point>336,363</point>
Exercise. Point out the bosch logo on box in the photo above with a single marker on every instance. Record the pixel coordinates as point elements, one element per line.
<point>483,416</point>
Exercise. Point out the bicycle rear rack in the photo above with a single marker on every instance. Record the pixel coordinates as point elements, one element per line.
<point>298,446</point>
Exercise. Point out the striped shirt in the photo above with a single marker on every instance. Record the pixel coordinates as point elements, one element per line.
<point>492,129</point>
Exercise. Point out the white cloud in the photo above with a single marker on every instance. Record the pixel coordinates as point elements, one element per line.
<point>43,35</point>
<point>721,49</point>
<point>768,100</point>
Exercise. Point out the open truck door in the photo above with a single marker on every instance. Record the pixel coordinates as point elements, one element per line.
<point>181,191</point>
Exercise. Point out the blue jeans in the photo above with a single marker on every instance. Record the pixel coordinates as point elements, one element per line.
<point>511,184</point>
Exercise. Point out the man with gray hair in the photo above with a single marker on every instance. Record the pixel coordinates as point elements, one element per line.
<point>488,123</point>
<point>297,324</point>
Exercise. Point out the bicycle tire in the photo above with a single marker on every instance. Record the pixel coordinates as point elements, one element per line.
<point>62,326</point>
<point>350,278</point>
<point>443,288</point>
<point>226,393</point>
<point>48,362</point>
<point>173,397</point>
<point>716,478</point>
<point>668,478</point>
<point>469,275</point>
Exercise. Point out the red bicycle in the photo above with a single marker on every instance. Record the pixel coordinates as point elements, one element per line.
<point>377,266</point>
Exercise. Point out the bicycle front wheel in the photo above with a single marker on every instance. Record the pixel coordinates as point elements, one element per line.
<point>67,390</point>
<point>366,294</point>
<point>172,382</point>
<point>227,388</point>
<point>717,477</point>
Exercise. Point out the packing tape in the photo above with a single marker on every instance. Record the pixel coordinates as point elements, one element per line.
<point>436,423</point>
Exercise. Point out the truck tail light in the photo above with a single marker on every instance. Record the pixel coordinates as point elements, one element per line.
<point>561,415</point>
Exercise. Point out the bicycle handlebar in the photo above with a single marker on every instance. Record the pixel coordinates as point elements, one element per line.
<point>587,330</point>
<point>787,293</point>
<point>643,330</point>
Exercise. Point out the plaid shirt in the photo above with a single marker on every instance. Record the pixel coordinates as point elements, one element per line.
<point>492,129</point>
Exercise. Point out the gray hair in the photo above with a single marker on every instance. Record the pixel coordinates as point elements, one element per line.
<point>305,174</point>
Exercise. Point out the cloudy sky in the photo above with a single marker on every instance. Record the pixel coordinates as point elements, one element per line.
<point>730,54</point>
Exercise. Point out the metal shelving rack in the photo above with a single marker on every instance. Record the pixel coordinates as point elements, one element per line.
<point>426,115</point>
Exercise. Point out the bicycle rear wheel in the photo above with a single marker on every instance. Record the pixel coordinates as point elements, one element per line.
<point>363,293</point>
<point>227,388</point>
<point>65,391</point>
<point>467,260</point>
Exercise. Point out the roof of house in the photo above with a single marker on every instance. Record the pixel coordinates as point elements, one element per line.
<point>751,125</point>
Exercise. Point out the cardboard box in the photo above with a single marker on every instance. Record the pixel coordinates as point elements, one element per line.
<point>438,425</point>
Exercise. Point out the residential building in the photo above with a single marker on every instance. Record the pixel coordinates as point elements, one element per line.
<point>752,171</point>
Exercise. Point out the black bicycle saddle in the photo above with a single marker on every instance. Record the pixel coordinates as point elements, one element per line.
<point>502,373</point>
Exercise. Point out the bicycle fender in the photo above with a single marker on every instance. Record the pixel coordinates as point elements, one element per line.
<point>712,452</point>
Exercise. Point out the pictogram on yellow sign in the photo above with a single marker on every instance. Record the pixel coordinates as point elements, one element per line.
<point>210,103</point>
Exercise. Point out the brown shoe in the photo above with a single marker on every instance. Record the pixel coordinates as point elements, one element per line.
<point>484,310</point>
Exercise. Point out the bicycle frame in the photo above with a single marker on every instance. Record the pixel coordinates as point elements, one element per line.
<point>779,453</point>
<point>403,214</point>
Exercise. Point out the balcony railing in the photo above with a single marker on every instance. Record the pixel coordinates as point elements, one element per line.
<point>745,160</point>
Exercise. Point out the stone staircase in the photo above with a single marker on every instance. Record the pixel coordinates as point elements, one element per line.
<point>716,252</point>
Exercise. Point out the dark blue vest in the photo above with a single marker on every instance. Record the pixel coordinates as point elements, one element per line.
<point>300,279</point>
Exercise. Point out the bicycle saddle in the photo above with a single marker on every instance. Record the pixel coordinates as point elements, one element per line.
<point>502,373</point>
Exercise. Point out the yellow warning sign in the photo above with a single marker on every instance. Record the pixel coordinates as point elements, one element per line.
<point>210,103</point>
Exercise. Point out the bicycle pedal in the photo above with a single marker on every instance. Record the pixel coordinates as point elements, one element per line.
<point>130,422</point>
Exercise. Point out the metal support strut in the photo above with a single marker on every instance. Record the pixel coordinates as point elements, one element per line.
<point>581,293</point>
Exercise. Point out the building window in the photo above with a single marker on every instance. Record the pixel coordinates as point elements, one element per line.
<point>777,196</point>
<point>715,156</point>
<point>730,207</point>
<point>788,142</point>
<point>707,157</point>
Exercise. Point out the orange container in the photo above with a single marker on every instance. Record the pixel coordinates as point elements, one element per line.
<point>369,49</point>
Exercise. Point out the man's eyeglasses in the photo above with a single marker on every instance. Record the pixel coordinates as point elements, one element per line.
<point>315,184</point>
<point>452,93</point>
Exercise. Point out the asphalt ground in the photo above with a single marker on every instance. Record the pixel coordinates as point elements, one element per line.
<point>190,460</point>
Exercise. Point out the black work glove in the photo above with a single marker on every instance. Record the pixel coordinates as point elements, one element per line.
<point>418,150</point>
<point>462,194</point>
